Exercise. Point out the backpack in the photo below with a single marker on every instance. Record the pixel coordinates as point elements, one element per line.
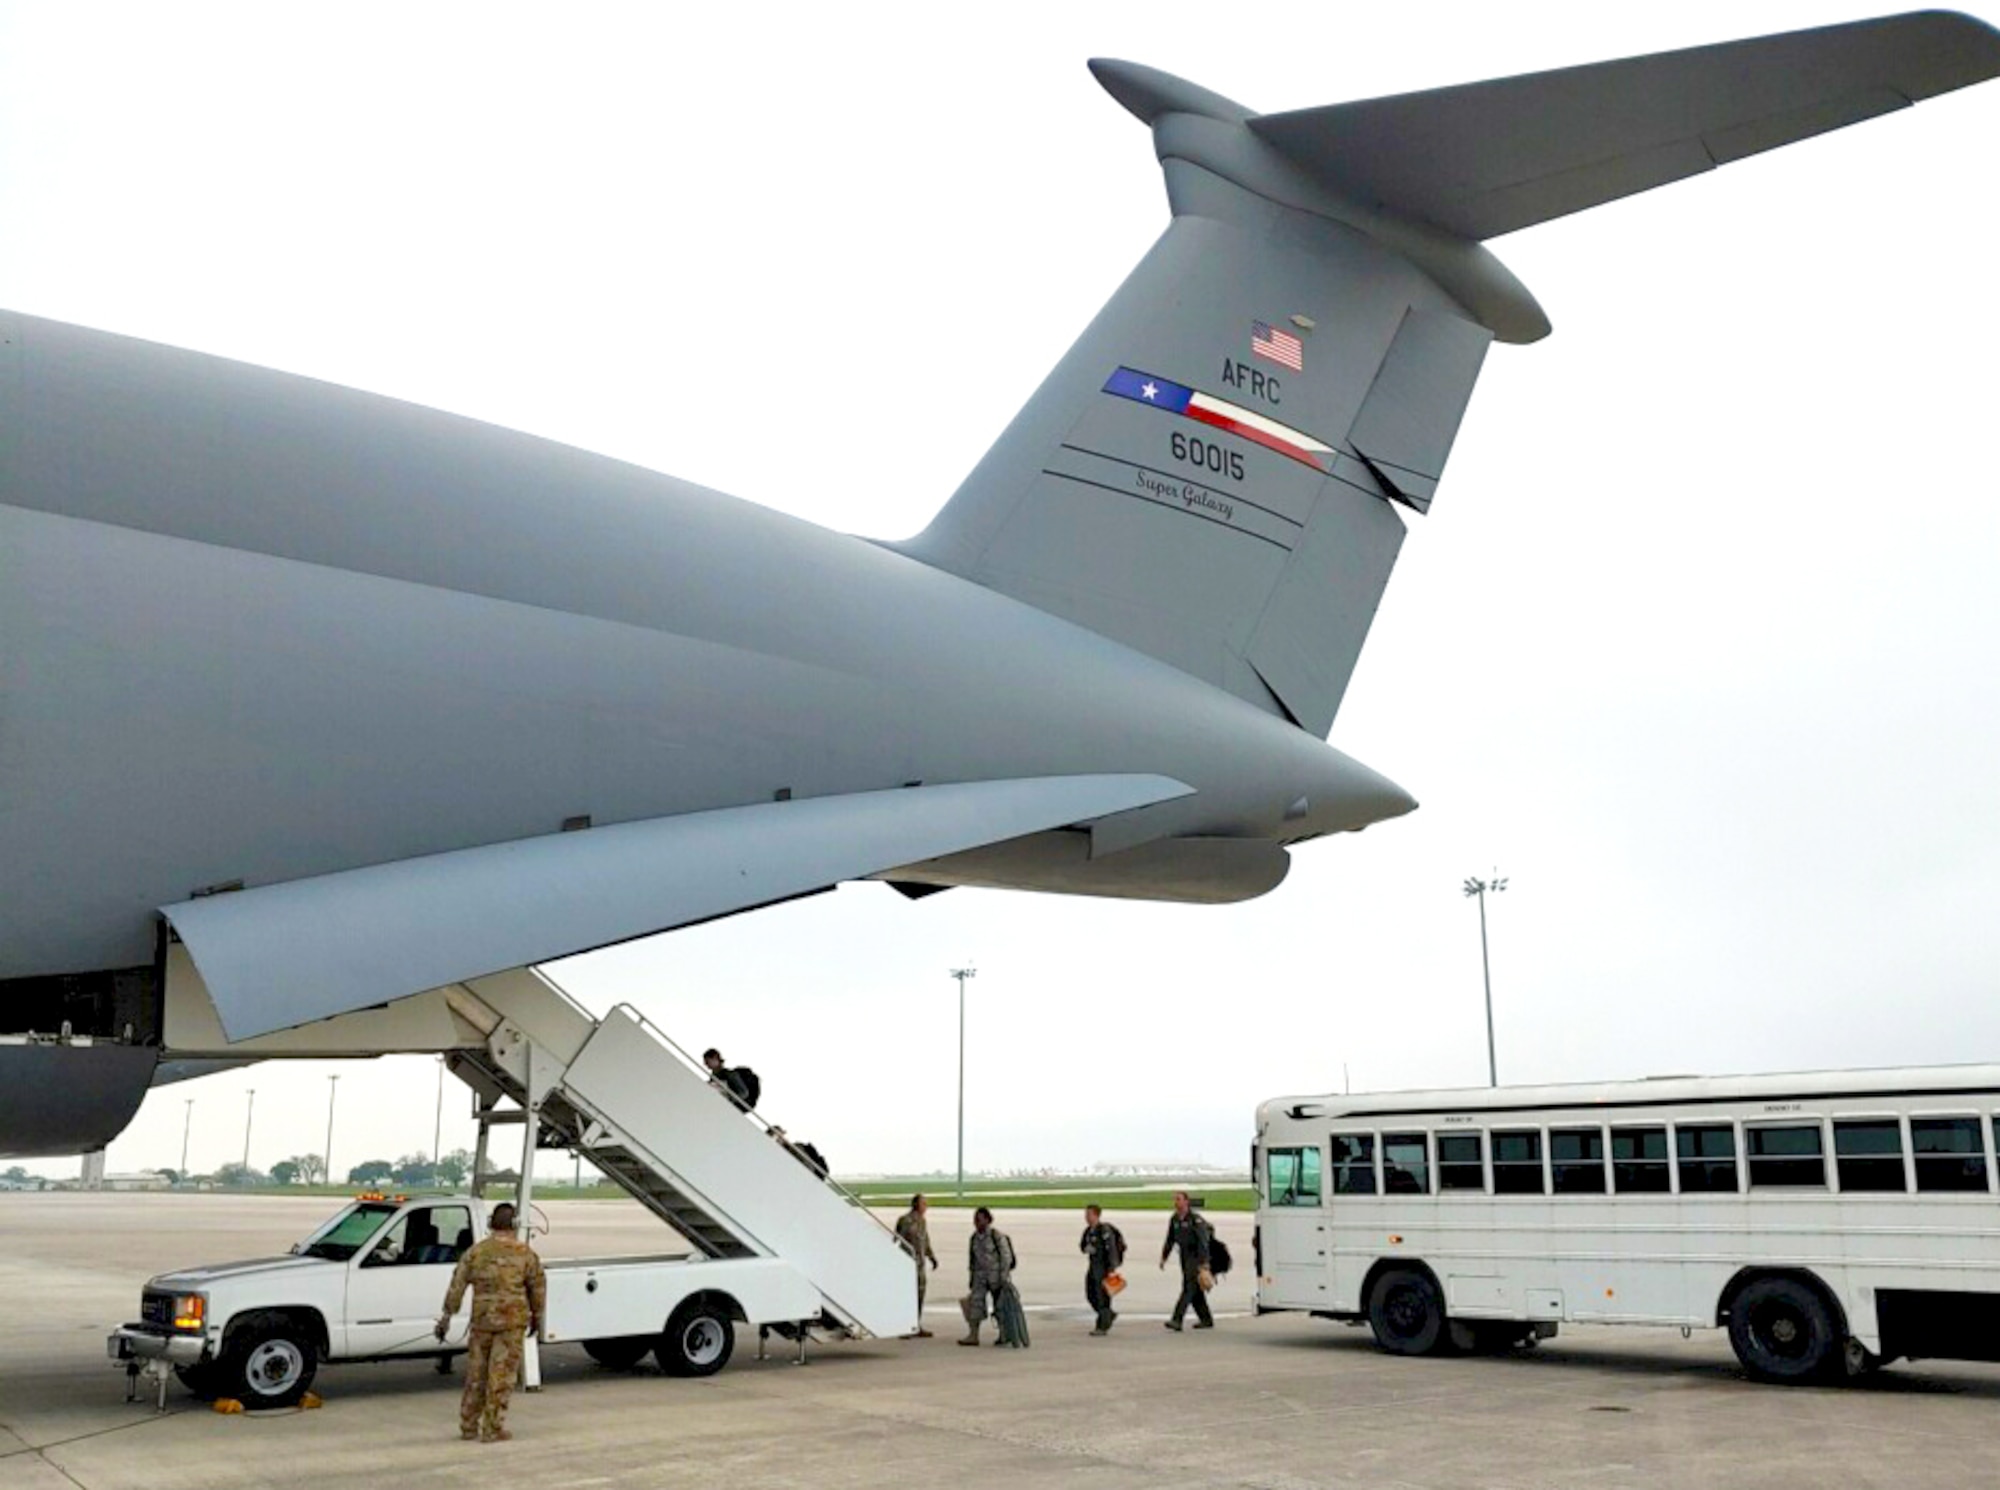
<point>752,1087</point>
<point>1219,1260</point>
<point>1117,1246</point>
<point>813,1157</point>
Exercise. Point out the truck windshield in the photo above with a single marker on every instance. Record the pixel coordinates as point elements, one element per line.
<point>348,1232</point>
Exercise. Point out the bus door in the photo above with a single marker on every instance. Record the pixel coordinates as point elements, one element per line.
<point>1297,1244</point>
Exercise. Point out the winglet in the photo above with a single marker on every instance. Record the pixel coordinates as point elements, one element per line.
<point>1148,94</point>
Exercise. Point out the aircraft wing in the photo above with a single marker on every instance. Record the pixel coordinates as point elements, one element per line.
<point>276,956</point>
<point>1488,158</point>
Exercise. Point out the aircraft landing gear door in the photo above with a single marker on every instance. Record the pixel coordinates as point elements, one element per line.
<point>1297,1271</point>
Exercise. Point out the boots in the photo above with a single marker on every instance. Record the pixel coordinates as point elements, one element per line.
<point>971,1336</point>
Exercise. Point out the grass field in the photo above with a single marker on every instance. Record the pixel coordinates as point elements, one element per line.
<point>1054,1193</point>
<point>1128,1198</point>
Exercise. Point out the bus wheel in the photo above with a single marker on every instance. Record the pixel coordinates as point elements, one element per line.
<point>1406,1313</point>
<point>1782,1331</point>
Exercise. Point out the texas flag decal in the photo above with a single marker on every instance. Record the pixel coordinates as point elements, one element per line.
<point>1176,398</point>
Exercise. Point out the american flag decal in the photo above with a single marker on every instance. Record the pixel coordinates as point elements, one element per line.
<point>1277,346</point>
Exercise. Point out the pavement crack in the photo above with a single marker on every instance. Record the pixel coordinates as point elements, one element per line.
<point>40,1450</point>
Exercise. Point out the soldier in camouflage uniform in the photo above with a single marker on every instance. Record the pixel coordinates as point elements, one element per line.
<point>509,1293</point>
<point>990,1259</point>
<point>916,1234</point>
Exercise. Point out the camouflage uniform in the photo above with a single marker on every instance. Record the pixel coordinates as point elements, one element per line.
<point>916,1234</point>
<point>509,1292</point>
<point>990,1260</point>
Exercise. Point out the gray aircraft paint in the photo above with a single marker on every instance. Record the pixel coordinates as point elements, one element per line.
<point>262,631</point>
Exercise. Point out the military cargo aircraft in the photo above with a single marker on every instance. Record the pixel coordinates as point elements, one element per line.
<point>327,700</point>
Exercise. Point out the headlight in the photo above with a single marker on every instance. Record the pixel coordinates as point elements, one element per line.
<point>190,1312</point>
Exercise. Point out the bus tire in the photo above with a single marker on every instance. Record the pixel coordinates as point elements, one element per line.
<point>621,1352</point>
<point>1406,1313</point>
<point>697,1341</point>
<point>1783,1331</point>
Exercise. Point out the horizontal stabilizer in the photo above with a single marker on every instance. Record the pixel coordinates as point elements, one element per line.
<point>1489,158</point>
<point>281,955</point>
<point>1215,472</point>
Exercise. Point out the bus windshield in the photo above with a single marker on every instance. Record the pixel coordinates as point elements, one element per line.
<point>347,1232</point>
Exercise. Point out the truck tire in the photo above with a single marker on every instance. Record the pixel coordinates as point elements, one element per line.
<point>1782,1331</point>
<point>269,1362</point>
<point>697,1341</point>
<point>621,1353</point>
<point>1406,1314</point>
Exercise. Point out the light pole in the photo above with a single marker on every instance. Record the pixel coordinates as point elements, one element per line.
<point>186,1123</point>
<point>249,1107</point>
<point>962,973</point>
<point>1478,888</point>
<point>437,1130</point>
<point>331,1088</point>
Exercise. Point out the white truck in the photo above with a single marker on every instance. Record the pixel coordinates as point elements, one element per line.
<point>370,1283</point>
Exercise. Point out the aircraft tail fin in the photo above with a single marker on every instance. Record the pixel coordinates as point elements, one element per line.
<point>1212,474</point>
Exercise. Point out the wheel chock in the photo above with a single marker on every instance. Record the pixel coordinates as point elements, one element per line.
<point>311,1400</point>
<point>227,1405</point>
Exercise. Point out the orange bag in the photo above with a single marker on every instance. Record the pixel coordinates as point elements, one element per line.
<point>1114,1283</point>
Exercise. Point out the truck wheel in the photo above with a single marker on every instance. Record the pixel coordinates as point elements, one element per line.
<point>619,1354</point>
<point>696,1342</point>
<point>269,1364</point>
<point>1782,1331</point>
<point>1406,1313</point>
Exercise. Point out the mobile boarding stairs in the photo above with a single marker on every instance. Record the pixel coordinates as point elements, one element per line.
<point>624,1096</point>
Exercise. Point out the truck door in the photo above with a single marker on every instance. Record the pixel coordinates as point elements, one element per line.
<point>396,1288</point>
<point>1297,1273</point>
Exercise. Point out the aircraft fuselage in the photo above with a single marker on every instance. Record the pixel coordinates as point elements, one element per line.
<point>256,628</point>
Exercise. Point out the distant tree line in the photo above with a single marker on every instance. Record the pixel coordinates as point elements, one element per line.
<point>414,1170</point>
<point>417,1171</point>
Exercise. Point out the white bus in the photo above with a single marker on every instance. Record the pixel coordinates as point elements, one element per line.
<point>1830,1221</point>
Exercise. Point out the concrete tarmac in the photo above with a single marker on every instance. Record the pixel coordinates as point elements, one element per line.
<point>1279,1402</point>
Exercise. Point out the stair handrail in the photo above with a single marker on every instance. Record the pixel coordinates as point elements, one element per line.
<point>561,992</point>
<point>757,1117</point>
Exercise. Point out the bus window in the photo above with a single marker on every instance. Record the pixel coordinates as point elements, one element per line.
<point>1353,1163</point>
<point>1576,1161</point>
<point>1707,1157</point>
<point>1460,1164</point>
<point>1869,1155</point>
<point>1787,1156</point>
<point>1292,1176</point>
<point>1639,1161</point>
<point>1517,1163</point>
<point>1405,1164</point>
<point>1950,1154</point>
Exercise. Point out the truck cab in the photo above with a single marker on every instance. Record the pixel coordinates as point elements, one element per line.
<point>367,1285</point>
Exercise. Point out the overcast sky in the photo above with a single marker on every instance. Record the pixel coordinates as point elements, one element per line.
<point>1699,646</point>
